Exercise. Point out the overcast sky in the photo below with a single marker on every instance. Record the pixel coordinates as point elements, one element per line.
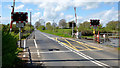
<point>50,10</point>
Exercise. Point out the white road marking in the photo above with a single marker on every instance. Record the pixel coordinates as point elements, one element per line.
<point>83,55</point>
<point>24,44</point>
<point>51,52</point>
<point>37,47</point>
<point>86,57</point>
<point>35,43</point>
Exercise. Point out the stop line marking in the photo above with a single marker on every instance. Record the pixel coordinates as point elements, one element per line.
<point>51,52</point>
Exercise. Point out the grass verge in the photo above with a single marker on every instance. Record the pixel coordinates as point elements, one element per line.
<point>59,32</point>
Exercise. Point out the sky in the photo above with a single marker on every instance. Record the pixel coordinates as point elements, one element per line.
<point>56,10</point>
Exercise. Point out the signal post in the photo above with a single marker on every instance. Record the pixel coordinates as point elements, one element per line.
<point>20,18</point>
<point>95,23</point>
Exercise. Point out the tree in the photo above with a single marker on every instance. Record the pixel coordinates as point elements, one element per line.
<point>37,24</point>
<point>84,26</point>
<point>48,26</point>
<point>62,23</point>
<point>112,25</point>
<point>54,25</point>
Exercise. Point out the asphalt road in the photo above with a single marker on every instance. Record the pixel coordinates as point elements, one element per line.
<point>50,50</point>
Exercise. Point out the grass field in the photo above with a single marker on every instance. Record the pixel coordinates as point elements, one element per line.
<point>62,33</point>
<point>59,32</point>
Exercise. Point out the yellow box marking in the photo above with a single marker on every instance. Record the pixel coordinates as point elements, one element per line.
<point>85,44</point>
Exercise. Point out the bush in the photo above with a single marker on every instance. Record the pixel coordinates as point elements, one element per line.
<point>87,33</point>
<point>9,59</point>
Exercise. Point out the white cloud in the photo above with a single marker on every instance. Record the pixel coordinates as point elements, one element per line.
<point>29,9</point>
<point>104,16</point>
<point>69,17</point>
<point>53,8</point>
<point>61,0</point>
<point>5,20</point>
<point>19,7</point>
<point>36,14</point>
<point>16,8</point>
<point>61,14</point>
<point>35,17</point>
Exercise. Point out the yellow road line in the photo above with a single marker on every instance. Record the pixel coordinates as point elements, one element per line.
<point>80,43</point>
<point>84,49</point>
<point>70,44</point>
<point>66,44</point>
<point>85,44</point>
<point>72,47</point>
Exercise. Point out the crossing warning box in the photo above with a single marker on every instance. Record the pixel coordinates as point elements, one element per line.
<point>19,17</point>
<point>94,22</point>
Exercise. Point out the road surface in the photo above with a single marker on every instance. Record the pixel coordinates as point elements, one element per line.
<point>50,50</point>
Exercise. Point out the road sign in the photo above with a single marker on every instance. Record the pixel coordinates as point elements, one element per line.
<point>20,25</point>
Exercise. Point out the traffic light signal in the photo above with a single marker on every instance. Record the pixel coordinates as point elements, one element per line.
<point>95,22</point>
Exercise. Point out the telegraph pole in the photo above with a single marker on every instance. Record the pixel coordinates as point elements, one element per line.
<point>30,22</point>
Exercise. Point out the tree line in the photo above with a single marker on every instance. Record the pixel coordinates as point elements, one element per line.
<point>85,28</point>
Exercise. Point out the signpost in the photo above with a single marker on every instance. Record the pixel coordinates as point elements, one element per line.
<point>20,18</point>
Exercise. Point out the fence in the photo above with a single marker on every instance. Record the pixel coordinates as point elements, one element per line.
<point>111,39</point>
